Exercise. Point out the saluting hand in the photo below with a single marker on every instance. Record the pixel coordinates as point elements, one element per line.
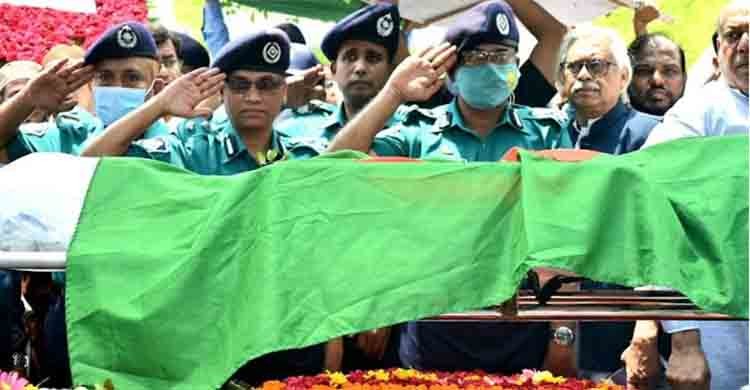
<point>302,88</point>
<point>48,90</point>
<point>182,97</point>
<point>420,76</point>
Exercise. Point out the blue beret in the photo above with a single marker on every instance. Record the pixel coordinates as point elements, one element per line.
<point>265,50</point>
<point>488,22</point>
<point>377,23</point>
<point>302,58</point>
<point>192,53</point>
<point>129,39</point>
<point>293,32</point>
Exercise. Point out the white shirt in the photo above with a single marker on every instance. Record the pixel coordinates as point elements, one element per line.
<point>715,109</point>
<point>583,130</point>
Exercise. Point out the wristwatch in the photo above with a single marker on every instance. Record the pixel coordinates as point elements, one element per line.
<point>563,336</point>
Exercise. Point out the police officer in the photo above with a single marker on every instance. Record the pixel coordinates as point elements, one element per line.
<point>124,65</point>
<point>249,72</point>
<point>362,48</point>
<point>192,54</point>
<point>480,124</point>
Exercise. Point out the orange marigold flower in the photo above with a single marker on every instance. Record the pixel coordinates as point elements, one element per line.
<point>274,385</point>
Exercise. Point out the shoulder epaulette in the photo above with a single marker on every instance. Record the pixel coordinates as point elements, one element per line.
<point>154,145</point>
<point>35,129</point>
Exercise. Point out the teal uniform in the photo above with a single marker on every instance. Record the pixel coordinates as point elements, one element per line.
<point>324,120</point>
<point>442,133</point>
<point>208,148</point>
<point>67,133</point>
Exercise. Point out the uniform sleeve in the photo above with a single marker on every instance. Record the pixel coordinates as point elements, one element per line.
<point>533,89</point>
<point>35,137</point>
<point>392,142</point>
<point>684,119</point>
<point>553,125</point>
<point>168,149</point>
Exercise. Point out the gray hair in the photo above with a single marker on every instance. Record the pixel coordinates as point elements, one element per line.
<point>617,47</point>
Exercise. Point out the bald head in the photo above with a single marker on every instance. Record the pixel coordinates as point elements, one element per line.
<point>658,73</point>
<point>59,52</point>
<point>733,43</point>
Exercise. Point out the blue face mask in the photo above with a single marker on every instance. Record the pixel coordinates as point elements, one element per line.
<point>486,86</point>
<point>112,103</point>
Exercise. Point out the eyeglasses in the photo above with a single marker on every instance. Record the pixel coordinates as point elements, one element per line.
<point>596,68</point>
<point>480,57</point>
<point>264,85</point>
<point>732,37</point>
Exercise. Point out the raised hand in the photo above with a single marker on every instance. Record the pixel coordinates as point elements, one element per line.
<point>183,96</point>
<point>48,90</point>
<point>301,87</point>
<point>420,76</point>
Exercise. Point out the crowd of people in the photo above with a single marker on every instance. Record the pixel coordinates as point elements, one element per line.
<point>252,100</point>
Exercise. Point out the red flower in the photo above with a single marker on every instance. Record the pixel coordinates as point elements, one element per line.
<point>27,33</point>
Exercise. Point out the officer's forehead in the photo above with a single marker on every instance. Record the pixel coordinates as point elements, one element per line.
<point>356,44</point>
<point>139,64</point>
<point>252,75</point>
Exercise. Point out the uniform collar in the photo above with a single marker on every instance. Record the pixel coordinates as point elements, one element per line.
<point>234,146</point>
<point>451,118</point>
<point>337,119</point>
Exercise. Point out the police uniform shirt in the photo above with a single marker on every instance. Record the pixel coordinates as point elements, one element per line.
<point>324,120</point>
<point>442,133</point>
<point>65,134</point>
<point>621,130</point>
<point>219,151</point>
<point>68,133</point>
<point>306,121</point>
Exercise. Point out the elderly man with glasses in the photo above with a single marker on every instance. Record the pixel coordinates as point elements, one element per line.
<point>481,123</point>
<point>593,77</point>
